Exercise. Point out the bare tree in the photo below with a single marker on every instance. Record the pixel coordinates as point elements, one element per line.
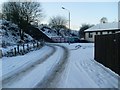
<point>83,28</point>
<point>22,14</point>
<point>58,22</point>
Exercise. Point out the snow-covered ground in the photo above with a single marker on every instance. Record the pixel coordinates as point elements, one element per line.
<point>9,33</point>
<point>10,36</point>
<point>79,71</point>
<point>14,64</point>
<point>50,32</point>
<point>9,48</point>
<point>83,71</point>
<point>20,72</point>
<point>47,30</point>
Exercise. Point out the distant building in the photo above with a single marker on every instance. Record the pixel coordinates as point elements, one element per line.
<point>59,39</point>
<point>100,29</point>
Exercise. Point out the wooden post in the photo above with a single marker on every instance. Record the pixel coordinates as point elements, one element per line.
<point>23,48</point>
<point>18,49</point>
<point>7,53</point>
<point>0,53</point>
<point>33,45</point>
<point>11,53</point>
<point>27,47</point>
<point>37,44</point>
<point>15,51</point>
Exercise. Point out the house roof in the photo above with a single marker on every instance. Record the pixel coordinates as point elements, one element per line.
<point>105,26</point>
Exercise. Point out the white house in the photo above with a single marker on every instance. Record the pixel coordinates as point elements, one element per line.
<point>100,29</point>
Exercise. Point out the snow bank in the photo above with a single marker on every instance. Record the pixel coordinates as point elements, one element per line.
<point>13,64</point>
<point>10,33</point>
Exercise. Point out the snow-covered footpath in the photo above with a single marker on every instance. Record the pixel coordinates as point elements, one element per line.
<point>83,71</point>
<point>80,70</point>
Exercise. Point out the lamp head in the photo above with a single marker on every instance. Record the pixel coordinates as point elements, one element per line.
<point>63,8</point>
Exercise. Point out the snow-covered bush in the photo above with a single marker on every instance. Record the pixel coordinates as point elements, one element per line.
<point>10,34</point>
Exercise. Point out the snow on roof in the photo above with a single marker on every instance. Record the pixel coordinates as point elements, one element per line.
<point>105,26</point>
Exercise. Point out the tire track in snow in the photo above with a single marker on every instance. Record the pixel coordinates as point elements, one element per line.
<point>50,80</point>
<point>16,76</point>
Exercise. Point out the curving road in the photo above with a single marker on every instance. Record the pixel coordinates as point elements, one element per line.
<point>55,59</point>
<point>62,66</point>
<point>50,80</point>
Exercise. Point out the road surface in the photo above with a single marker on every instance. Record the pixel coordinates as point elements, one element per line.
<point>60,66</point>
<point>15,80</point>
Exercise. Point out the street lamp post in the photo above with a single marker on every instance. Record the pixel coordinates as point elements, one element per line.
<point>69,20</point>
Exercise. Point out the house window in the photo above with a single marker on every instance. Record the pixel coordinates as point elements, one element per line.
<point>100,33</point>
<point>96,33</point>
<point>90,35</point>
<point>113,31</point>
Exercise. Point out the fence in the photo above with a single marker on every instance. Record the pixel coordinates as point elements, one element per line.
<point>107,51</point>
<point>22,49</point>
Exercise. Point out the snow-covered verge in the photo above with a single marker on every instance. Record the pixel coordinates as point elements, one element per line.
<point>83,71</point>
<point>9,51</point>
<point>10,33</point>
<point>13,64</point>
<point>30,78</point>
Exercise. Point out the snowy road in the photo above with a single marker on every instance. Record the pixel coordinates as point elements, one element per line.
<point>21,65</point>
<point>43,69</point>
<point>58,66</point>
<point>61,56</point>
